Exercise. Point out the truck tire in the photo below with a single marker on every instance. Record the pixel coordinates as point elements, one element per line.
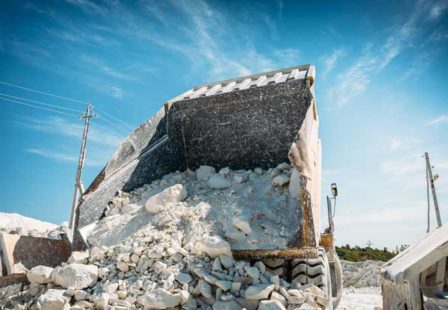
<point>314,271</point>
<point>336,279</point>
<point>276,266</point>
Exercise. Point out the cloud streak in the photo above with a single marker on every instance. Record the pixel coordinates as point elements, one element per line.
<point>354,80</point>
<point>331,60</point>
<point>442,119</point>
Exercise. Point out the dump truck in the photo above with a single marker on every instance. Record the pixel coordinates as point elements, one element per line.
<point>259,120</point>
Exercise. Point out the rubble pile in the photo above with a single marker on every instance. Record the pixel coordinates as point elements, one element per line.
<point>361,274</point>
<point>16,224</point>
<point>249,209</point>
<point>152,270</point>
<point>168,245</point>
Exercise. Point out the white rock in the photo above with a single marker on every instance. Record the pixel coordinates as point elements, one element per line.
<point>203,173</point>
<point>240,178</point>
<point>184,296</point>
<point>78,257</point>
<point>242,225</point>
<point>280,180</point>
<point>258,292</point>
<point>226,261</point>
<point>224,285</point>
<point>102,301</point>
<point>75,275</point>
<point>159,299</point>
<point>122,266</point>
<point>260,267</point>
<point>226,305</point>
<point>217,265</point>
<point>53,300</point>
<point>217,181</point>
<point>205,289</point>
<point>39,274</point>
<point>96,254</point>
<point>284,166</point>
<point>279,297</point>
<point>213,246</point>
<point>81,295</point>
<point>253,272</point>
<point>169,196</point>
<point>184,278</point>
<point>225,171</point>
<point>270,305</point>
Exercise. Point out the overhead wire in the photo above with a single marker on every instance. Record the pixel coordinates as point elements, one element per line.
<point>43,93</point>
<point>41,103</point>
<point>69,99</point>
<point>107,129</point>
<point>39,107</point>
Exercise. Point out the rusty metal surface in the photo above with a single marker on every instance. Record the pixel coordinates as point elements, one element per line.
<point>48,252</point>
<point>327,241</point>
<point>292,253</point>
<point>13,279</point>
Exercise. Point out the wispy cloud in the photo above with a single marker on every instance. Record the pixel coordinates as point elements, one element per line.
<point>117,92</point>
<point>66,157</point>
<point>354,80</point>
<point>88,6</point>
<point>60,126</point>
<point>442,119</point>
<point>100,65</point>
<point>101,140</point>
<point>210,42</point>
<point>331,60</point>
<point>438,9</point>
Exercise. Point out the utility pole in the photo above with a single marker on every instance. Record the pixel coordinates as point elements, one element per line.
<point>79,188</point>
<point>433,189</point>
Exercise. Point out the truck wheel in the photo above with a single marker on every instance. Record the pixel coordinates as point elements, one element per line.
<point>336,280</point>
<point>314,271</point>
<point>276,266</point>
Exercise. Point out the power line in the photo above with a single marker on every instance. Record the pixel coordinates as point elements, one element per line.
<point>38,107</point>
<point>66,98</point>
<point>112,124</point>
<point>42,92</point>
<point>107,129</point>
<point>42,103</point>
<point>118,120</point>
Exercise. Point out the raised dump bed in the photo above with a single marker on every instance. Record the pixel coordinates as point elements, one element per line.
<point>255,122</point>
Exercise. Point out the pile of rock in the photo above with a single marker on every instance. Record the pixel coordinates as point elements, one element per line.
<point>249,209</point>
<point>168,245</point>
<point>152,270</point>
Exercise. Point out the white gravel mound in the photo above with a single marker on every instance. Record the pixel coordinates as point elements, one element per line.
<point>17,222</point>
<point>361,274</point>
<point>249,209</point>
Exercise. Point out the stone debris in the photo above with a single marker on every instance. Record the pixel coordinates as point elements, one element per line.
<point>78,276</point>
<point>182,265</point>
<point>39,274</point>
<point>53,299</point>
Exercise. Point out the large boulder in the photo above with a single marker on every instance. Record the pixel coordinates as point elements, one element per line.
<point>53,299</point>
<point>39,274</point>
<point>214,246</point>
<point>168,196</point>
<point>159,299</point>
<point>77,276</point>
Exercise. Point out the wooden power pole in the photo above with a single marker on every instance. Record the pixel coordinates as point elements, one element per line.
<point>430,178</point>
<point>79,188</point>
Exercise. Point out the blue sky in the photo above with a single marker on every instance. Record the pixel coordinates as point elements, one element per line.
<point>381,91</point>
